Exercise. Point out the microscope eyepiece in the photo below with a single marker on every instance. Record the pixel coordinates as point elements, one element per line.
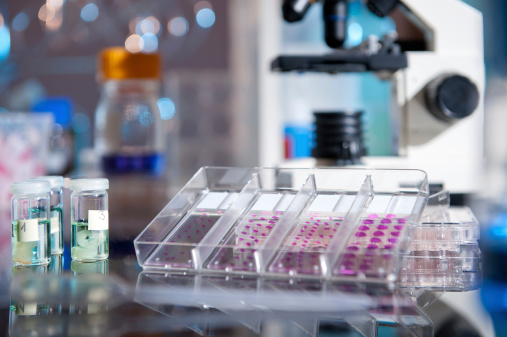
<point>335,22</point>
<point>295,10</point>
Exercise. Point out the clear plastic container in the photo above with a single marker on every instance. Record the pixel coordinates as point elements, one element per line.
<point>30,223</point>
<point>56,219</point>
<point>89,219</point>
<point>129,135</point>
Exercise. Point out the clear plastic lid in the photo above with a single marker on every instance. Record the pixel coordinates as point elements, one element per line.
<point>54,181</point>
<point>30,187</point>
<point>79,185</point>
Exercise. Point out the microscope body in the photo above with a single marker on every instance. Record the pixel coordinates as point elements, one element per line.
<point>437,108</point>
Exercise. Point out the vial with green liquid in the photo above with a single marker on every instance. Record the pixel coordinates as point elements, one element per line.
<point>56,219</point>
<point>30,216</point>
<point>89,219</point>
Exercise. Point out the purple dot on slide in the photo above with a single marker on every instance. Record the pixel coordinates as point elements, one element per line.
<point>347,272</point>
<point>368,222</point>
<point>386,256</point>
<point>205,214</point>
<point>263,234</point>
<point>256,240</point>
<point>248,244</point>
<point>305,241</point>
<point>219,212</point>
<point>378,233</point>
<point>256,231</point>
<point>388,246</point>
<point>373,216</point>
<point>271,221</point>
<point>240,239</point>
<point>364,228</point>
<point>195,221</point>
<point>330,236</point>
<point>398,227</point>
<point>202,210</point>
<point>352,248</point>
<point>252,237</point>
<point>178,236</point>
<point>310,234</point>
<point>244,233</point>
<point>263,218</point>
<point>390,216</point>
<point>392,240</point>
<point>348,263</point>
<point>372,247</point>
<point>327,228</point>
<point>166,248</point>
<point>247,226</point>
<point>188,237</point>
<point>197,231</point>
<point>250,220</point>
<point>209,220</point>
<point>307,221</point>
<point>395,234</point>
<point>385,221</point>
<point>318,242</point>
<point>375,240</point>
<point>249,258</point>
<point>186,230</point>
<point>259,225</point>
<point>189,226</point>
<point>303,245</point>
<point>203,226</point>
<point>274,217</point>
<point>294,243</point>
<point>296,238</point>
<point>325,223</point>
<point>302,230</point>
<point>402,221</point>
<point>360,234</point>
<point>254,214</point>
<point>312,230</point>
<point>321,236</point>
<point>318,220</point>
<point>242,250</point>
<point>382,227</point>
<point>278,212</point>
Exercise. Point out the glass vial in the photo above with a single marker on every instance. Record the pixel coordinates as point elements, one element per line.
<point>129,133</point>
<point>56,219</point>
<point>89,219</point>
<point>30,223</point>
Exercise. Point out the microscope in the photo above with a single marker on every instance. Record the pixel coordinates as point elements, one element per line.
<point>436,108</point>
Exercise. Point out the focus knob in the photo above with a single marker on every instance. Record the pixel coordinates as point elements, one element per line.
<point>452,97</point>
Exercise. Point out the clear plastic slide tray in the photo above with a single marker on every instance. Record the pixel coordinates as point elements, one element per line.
<point>324,223</point>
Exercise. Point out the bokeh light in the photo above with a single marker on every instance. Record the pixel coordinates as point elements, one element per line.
<point>2,21</point>
<point>5,40</point>
<point>150,25</point>
<point>46,12</point>
<point>167,108</point>
<point>178,26</point>
<point>150,43</point>
<point>205,18</point>
<point>90,12</point>
<point>134,43</point>
<point>80,123</point>
<point>355,34</point>
<point>20,22</point>
<point>201,5</point>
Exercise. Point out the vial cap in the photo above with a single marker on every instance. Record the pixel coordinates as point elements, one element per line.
<point>54,181</point>
<point>30,186</point>
<point>89,184</point>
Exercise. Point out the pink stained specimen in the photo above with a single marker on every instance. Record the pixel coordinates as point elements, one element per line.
<point>263,218</point>
<point>360,234</point>
<point>254,215</point>
<point>278,212</point>
<point>244,233</point>
<point>347,272</point>
<point>248,244</point>
<point>202,210</point>
<point>263,234</point>
<point>364,228</point>
<point>395,234</point>
<point>402,221</point>
<point>247,227</point>
<point>294,243</point>
<point>297,238</point>
<point>352,248</point>
<point>271,222</point>
<point>388,246</point>
<point>259,225</point>
<point>219,212</point>
<point>252,237</point>
<point>372,247</point>
<point>256,231</point>
<point>274,217</point>
<point>373,216</point>
<point>242,250</point>
<point>375,240</point>
<point>382,227</point>
<point>392,240</point>
<point>178,236</point>
<point>204,226</point>
<point>378,233</point>
<point>390,216</point>
<point>250,220</point>
<point>240,239</point>
<point>386,221</point>
<point>368,222</point>
<point>398,227</point>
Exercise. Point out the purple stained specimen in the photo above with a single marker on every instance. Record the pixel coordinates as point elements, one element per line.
<point>386,221</point>
<point>402,221</point>
<point>395,234</point>
<point>392,240</point>
<point>382,227</point>
<point>368,222</point>
<point>372,247</point>
<point>360,234</point>
<point>375,240</point>
<point>364,228</point>
<point>398,227</point>
<point>378,233</point>
<point>373,216</point>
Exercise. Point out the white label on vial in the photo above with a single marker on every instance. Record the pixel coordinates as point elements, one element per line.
<point>26,309</point>
<point>55,224</point>
<point>98,220</point>
<point>28,230</point>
